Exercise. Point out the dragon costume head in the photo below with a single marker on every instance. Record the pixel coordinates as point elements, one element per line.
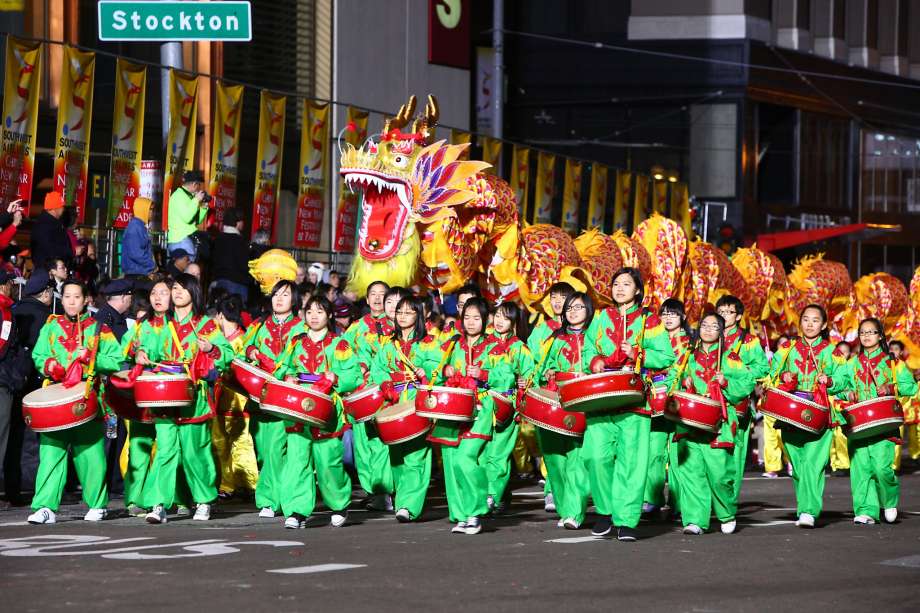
<point>408,183</point>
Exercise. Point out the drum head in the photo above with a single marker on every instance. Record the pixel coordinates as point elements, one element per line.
<point>545,395</point>
<point>53,395</point>
<point>396,411</point>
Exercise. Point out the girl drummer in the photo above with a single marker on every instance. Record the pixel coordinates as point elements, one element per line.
<point>324,362</point>
<point>269,349</point>
<point>704,459</point>
<point>496,457</point>
<point>616,444</point>
<point>195,341</point>
<point>372,458</point>
<point>563,352</point>
<point>71,349</point>
<point>408,359</point>
<point>465,480</point>
<point>872,373</point>
<point>674,319</point>
<point>233,446</point>
<point>809,367</point>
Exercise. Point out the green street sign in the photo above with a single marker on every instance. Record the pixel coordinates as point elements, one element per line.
<point>174,21</point>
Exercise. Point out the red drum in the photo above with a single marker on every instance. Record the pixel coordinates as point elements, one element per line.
<point>450,403</point>
<point>399,423</point>
<point>875,417</point>
<point>122,402</point>
<point>796,411</point>
<point>154,390</point>
<point>504,406</point>
<point>695,411</point>
<point>606,391</point>
<point>362,404</point>
<point>542,409</point>
<point>250,377</point>
<point>658,400</point>
<point>56,407</point>
<point>296,402</point>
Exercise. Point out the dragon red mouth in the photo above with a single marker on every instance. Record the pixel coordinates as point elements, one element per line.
<point>385,212</point>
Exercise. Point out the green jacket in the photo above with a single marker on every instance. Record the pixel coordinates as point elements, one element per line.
<point>605,331</point>
<point>864,372</point>
<point>387,362</point>
<point>366,336</point>
<point>275,339</point>
<point>184,215</point>
<point>61,339</point>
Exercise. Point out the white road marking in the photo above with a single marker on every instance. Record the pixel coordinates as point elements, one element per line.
<point>316,568</point>
<point>767,524</point>
<point>576,539</point>
<point>539,493</point>
<point>905,562</point>
<point>14,523</point>
<point>766,478</point>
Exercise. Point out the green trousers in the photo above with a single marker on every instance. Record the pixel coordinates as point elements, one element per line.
<point>411,462</point>
<point>496,459</point>
<point>615,452</point>
<point>740,453</point>
<point>88,447</point>
<point>707,478</point>
<point>809,454</point>
<point>872,478</point>
<point>659,437</point>
<point>186,447</point>
<point>566,474</point>
<point>465,481</point>
<point>310,463</point>
<point>673,477</point>
<point>270,438</point>
<point>137,476</point>
<point>372,459</point>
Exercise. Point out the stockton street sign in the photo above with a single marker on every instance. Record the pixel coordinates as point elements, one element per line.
<point>174,21</point>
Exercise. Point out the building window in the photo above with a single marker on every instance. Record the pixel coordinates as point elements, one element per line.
<point>823,145</point>
<point>890,173</point>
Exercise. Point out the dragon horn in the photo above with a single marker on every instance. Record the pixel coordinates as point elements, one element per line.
<point>425,125</point>
<point>402,117</point>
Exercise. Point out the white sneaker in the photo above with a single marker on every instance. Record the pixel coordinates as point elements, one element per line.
<point>157,515</point>
<point>806,520</point>
<point>473,526</point>
<point>864,520</point>
<point>569,523</point>
<point>182,510</point>
<point>202,512</point>
<point>293,523</point>
<point>403,516</point>
<point>549,504</point>
<point>42,516</point>
<point>891,515</point>
<point>460,528</point>
<point>693,529</point>
<point>490,502</point>
<point>267,513</point>
<point>560,523</point>
<point>338,519</point>
<point>95,515</point>
<point>728,527</point>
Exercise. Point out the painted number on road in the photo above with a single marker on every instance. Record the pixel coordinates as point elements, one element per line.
<point>60,545</point>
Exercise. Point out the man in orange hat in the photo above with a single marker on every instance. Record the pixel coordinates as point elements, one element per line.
<point>49,237</point>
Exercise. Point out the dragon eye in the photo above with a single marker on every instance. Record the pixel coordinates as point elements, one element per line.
<point>400,161</point>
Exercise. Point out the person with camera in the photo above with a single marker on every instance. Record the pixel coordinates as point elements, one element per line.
<point>188,207</point>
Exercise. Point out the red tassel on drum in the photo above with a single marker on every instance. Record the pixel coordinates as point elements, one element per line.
<point>74,374</point>
<point>714,391</point>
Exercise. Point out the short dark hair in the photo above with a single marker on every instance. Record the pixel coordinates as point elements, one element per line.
<point>481,306</point>
<point>323,303</point>
<point>371,285</point>
<point>469,288</point>
<point>589,311</point>
<point>561,287</point>
<point>232,217</point>
<point>76,282</point>
<point>231,307</point>
<point>193,176</point>
<point>295,292</point>
<point>193,287</point>
<point>735,303</point>
<point>637,279</point>
<point>402,292</point>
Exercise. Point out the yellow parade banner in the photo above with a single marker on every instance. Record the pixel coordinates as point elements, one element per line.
<point>520,177</point>
<point>180,140</point>
<point>545,188</point>
<point>346,211</point>
<point>597,197</point>
<point>680,207</point>
<point>640,201</point>
<point>314,167</point>
<point>459,137</point>
<point>268,162</point>
<point>21,89</point>
<point>571,195</point>
<point>225,145</point>
<point>75,115</point>
<point>622,200</point>
<point>492,154</point>
<point>660,198</point>
<point>127,141</point>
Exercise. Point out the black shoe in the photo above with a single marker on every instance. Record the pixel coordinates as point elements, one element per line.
<point>602,528</point>
<point>627,534</point>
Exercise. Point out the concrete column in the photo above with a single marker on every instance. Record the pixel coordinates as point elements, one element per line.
<point>862,32</point>
<point>893,24</point>
<point>791,24</point>
<point>913,39</point>
<point>828,28</point>
<point>695,19</point>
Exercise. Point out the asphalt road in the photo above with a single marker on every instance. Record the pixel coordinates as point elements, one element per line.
<point>521,561</point>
